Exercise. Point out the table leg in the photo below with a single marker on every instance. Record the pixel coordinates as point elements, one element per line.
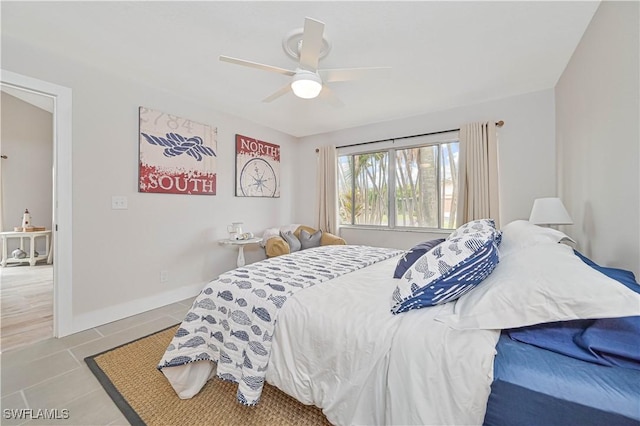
<point>48,244</point>
<point>4,252</point>
<point>32,249</point>
<point>240,256</point>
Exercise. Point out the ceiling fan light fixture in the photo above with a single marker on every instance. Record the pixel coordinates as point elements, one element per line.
<point>306,84</point>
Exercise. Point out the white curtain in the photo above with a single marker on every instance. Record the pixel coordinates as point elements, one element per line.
<point>478,163</point>
<point>327,193</point>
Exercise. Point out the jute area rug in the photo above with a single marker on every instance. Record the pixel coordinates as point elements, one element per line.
<point>128,373</point>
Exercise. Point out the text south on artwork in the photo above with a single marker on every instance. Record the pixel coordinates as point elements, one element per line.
<point>177,155</point>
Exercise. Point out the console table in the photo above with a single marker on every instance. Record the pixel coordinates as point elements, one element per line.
<point>31,258</point>
<point>240,244</point>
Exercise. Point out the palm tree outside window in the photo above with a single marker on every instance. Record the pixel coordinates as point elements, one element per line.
<point>412,187</point>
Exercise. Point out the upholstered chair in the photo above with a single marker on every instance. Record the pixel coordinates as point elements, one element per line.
<point>278,245</point>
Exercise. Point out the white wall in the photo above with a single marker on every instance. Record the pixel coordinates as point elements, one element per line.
<point>526,158</point>
<point>597,104</point>
<point>27,141</point>
<point>118,254</point>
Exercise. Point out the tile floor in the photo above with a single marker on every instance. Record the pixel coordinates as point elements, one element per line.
<point>52,374</point>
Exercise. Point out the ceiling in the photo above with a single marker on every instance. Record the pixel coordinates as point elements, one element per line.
<point>41,101</point>
<point>443,54</point>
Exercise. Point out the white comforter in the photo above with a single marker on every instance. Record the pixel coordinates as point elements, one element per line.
<point>337,346</point>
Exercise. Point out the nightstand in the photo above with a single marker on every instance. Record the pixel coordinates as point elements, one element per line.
<point>240,244</point>
<point>31,235</point>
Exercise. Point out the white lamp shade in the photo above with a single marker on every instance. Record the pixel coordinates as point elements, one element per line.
<point>306,84</point>
<point>549,211</point>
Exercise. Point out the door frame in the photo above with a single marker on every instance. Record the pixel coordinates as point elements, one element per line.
<point>62,194</point>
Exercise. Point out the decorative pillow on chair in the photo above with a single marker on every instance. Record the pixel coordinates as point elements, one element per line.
<point>267,234</point>
<point>414,254</point>
<point>292,240</point>
<point>308,240</point>
<point>450,269</point>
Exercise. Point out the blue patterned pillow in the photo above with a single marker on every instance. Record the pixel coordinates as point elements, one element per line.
<point>476,226</point>
<point>450,269</point>
<point>414,254</point>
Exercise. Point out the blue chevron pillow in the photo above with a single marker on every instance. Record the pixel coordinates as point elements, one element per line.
<point>450,269</point>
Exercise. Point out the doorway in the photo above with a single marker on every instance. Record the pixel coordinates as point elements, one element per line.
<point>61,225</point>
<point>26,196</point>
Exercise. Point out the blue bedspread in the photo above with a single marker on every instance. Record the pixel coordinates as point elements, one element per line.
<point>534,386</point>
<point>609,341</point>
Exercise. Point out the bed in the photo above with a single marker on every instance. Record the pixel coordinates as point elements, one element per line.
<point>368,348</point>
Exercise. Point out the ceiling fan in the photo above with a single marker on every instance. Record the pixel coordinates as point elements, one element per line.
<point>308,45</point>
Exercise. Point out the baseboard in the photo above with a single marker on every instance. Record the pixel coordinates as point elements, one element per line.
<point>109,314</point>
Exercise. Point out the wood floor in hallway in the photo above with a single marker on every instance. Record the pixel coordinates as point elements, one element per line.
<point>26,305</point>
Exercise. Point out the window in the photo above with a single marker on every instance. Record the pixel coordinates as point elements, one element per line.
<point>408,187</point>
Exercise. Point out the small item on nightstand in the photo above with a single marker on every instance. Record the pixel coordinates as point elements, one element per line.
<point>26,219</point>
<point>245,236</point>
<point>19,254</point>
<point>235,231</point>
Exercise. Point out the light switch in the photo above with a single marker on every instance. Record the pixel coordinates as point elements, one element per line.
<point>119,202</point>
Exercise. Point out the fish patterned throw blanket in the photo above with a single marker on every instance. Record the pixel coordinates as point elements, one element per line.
<point>232,321</point>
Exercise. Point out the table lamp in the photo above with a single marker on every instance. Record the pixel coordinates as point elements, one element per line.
<point>549,211</point>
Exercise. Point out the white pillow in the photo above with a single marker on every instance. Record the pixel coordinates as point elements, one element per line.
<point>538,284</point>
<point>520,234</point>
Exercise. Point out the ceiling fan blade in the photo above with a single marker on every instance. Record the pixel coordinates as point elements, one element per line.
<point>329,95</point>
<point>311,44</point>
<point>346,74</point>
<point>256,65</point>
<point>280,92</point>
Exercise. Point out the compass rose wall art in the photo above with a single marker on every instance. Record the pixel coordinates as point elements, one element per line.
<point>257,168</point>
<point>177,155</point>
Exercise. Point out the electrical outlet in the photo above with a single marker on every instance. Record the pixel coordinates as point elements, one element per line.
<point>119,202</point>
<point>164,276</point>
